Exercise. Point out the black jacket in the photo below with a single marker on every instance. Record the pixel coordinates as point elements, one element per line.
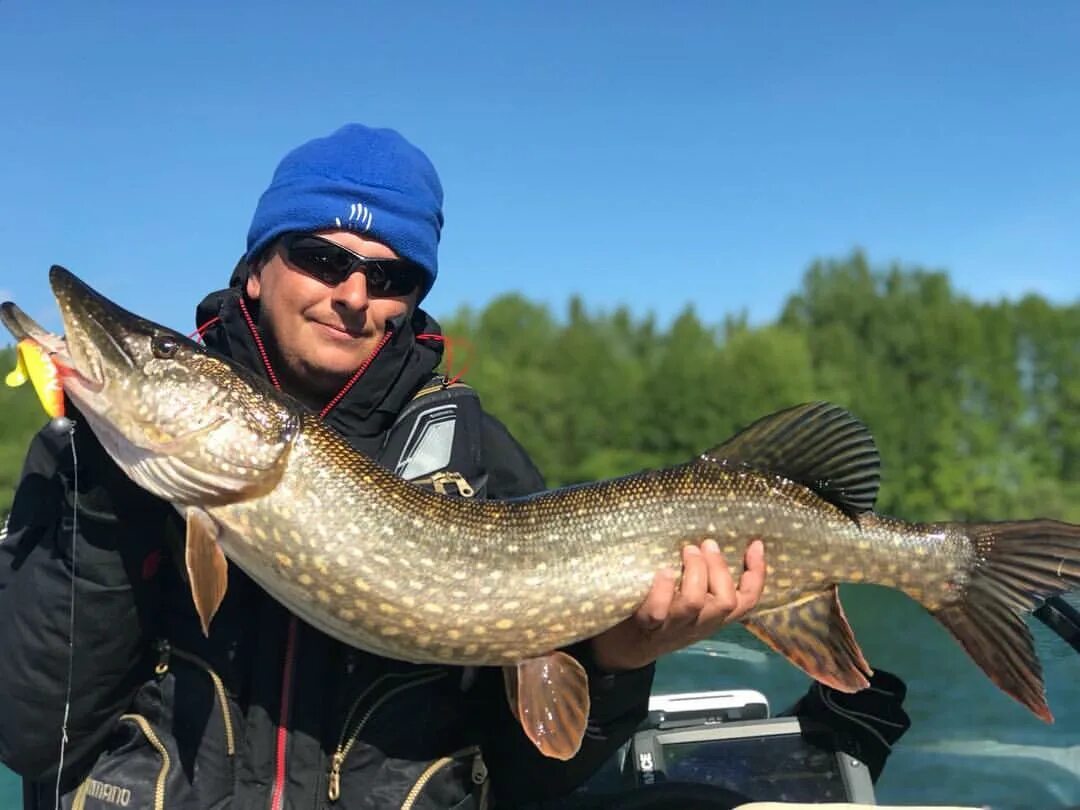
<point>266,712</point>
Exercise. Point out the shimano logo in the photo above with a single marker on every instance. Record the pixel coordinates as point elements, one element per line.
<point>110,794</point>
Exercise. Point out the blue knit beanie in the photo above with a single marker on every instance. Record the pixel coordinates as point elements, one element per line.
<point>371,181</point>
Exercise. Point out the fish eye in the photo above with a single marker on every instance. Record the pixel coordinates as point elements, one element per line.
<point>164,346</point>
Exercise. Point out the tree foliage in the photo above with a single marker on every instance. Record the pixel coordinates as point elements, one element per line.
<point>975,406</point>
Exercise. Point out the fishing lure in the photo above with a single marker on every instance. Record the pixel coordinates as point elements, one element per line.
<point>34,364</point>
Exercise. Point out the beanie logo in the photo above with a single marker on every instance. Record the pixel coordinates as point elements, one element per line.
<point>360,216</point>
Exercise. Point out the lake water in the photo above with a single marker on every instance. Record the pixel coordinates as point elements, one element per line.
<point>968,744</point>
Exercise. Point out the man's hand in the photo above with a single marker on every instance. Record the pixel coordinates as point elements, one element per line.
<point>669,620</point>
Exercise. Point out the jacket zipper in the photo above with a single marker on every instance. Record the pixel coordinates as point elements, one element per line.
<point>277,795</point>
<point>166,651</point>
<point>79,802</point>
<point>479,773</point>
<point>222,696</point>
<point>159,788</point>
<point>345,744</point>
<point>440,481</point>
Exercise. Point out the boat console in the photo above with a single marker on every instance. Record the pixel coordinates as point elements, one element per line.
<point>724,745</point>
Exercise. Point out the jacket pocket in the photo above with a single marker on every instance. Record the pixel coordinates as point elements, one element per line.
<point>223,713</point>
<point>389,752</point>
<point>137,771</point>
<point>459,781</point>
<point>174,749</point>
<point>203,720</point>
<point>381,691</point>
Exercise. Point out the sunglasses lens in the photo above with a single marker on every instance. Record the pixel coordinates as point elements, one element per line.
<point>323,260</point>
<point>378,280</point>
<point>332,265</point>
<point>392,277</point>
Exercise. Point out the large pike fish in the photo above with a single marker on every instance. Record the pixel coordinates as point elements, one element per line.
<point>386,566</point>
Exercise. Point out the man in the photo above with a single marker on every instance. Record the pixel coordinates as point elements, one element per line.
<point>267,711</point>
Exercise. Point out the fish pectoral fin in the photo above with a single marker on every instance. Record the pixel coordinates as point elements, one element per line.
<point>207,568</point>
<point>549,696</point>
<point>814,635</point>
<point>819,445</point>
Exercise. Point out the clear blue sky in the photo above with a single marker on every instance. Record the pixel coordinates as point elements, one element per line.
<point>641,153</point>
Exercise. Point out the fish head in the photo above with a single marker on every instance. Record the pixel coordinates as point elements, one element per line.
<point>183,423</point>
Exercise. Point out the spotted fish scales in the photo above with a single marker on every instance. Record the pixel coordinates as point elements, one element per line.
<point>501,588</point>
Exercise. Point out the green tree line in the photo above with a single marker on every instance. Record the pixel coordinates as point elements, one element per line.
<point>975,406</point>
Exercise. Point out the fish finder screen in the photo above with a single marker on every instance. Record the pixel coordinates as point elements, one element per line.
<point>775,768</point>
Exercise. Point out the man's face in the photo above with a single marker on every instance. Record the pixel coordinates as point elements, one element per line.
<point>322,332</point>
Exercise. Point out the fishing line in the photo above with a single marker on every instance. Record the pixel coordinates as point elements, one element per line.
<point>62,423</point>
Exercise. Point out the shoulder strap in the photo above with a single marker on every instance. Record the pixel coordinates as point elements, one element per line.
<point>436,391</point>
<point>437,438</point>
<point>438,384</point>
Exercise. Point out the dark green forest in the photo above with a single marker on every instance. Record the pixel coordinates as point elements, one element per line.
<point>975,405</point>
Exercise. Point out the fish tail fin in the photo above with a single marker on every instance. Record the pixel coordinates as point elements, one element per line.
<point>1019,564</point>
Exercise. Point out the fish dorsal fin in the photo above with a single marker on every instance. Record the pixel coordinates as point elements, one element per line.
<point>819,445</point>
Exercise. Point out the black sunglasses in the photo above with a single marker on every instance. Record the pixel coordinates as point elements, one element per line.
<point>332,264</point>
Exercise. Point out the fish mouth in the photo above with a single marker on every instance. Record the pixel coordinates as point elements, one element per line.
<point>23,327</point>
<point>72,378</point>
<point>94,331</point>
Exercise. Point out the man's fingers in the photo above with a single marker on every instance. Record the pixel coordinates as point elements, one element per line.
<point>654,611</point>
<point>668,620</point>
<point>693,588</point>
<point>752,581</point>
<point>721,585</point>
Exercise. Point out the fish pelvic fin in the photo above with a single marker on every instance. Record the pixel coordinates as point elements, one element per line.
<point>1019,565</point>
<point>207,568</point>
<point>814,635</point>
<point>819,445</point>
<point>549,696</point>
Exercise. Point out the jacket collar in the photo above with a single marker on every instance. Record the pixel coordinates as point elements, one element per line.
<point>369,407</point>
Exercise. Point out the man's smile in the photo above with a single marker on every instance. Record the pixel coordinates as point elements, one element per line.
<point>339,332</point>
